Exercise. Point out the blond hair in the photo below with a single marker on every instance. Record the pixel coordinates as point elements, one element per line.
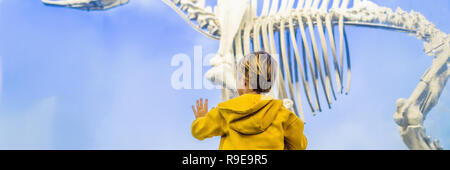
<point>258,70</point>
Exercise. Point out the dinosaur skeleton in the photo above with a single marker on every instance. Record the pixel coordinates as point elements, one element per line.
<point>86,4</point>
<point>276,29</point>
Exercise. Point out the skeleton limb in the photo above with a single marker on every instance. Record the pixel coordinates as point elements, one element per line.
<point>411,112</point>
<point>230,19</point>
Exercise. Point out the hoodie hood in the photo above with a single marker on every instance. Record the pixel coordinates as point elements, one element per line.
<point>250,113</point>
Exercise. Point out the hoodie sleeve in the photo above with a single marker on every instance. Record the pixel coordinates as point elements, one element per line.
<point>294,138</point>
<point>208,126</point>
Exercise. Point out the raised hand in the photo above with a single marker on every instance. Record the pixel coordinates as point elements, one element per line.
<point>202,109</point>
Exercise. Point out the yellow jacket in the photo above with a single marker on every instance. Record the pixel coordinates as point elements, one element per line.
<point>252,122</point>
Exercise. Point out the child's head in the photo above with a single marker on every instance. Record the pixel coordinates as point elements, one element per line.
<point>255,73</point>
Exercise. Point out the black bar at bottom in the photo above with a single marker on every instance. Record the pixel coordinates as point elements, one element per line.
<point>219,159</point>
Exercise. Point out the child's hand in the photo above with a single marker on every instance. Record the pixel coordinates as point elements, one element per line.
<point>201,109</point>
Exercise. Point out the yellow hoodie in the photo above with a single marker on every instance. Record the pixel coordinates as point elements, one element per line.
<point>252,122</point>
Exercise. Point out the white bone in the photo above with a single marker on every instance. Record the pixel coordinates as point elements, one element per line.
<point>300,4</point>
<point>308,4</point>
<point>336,4</point>
<point>246,38</point>
<point>254,8</point>
<point>200,3</point>
<point>285,63</point>
<point>349,68</point>
<point>281,90</point>
<point>329,28</point>
<point>325,86</point>
<point>311,66</point>
<point>224,94</point>
<point>356,3</point>
<point>265,38</point>
<point>324,5</point>
<point>290,5</point>
<point>333,49</point>
<point>256,37</point>
<point>63,3</point>
<point>87,4</point>
<point>344,4</point>
<point>297,88</point>
<point>209,9</point>
<point>325,54</point>
<point>410,113</point>
<point>341,47</point>
<point>283,7</point>
<point>230,20</point>
<point>266,47</point>
<point>215,10</point>
<point>265,10</point>
<point>273,7</point>
<point>297,57</point>
<point>238,46</point>
<point>315,5</point>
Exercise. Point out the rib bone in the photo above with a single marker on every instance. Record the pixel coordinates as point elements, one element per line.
<point>256,37</point>
<point>306,47</point>
<point>265,10</point>
<point>326,87</point>
<point>286,67</point>
<point>297,57</point>
<point>281,91</point>
<point>333,49</point>
<point>324,49</point>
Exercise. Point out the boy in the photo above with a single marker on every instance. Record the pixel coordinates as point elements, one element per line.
<point>252,121</point>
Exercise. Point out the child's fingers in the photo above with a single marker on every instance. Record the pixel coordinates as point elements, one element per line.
<point>197,105</point>
<point>206,103</point>
<point>193,109</point>
<point>201,102</point>
<point>195,112</point>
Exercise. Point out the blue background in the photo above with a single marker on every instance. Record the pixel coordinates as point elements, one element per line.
<point>73,79</point>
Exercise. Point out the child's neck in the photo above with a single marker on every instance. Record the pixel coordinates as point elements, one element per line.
<point>251,92</point>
